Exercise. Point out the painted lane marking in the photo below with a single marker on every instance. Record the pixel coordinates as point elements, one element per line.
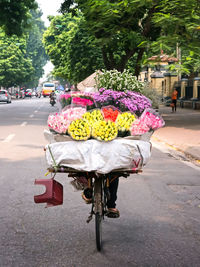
<point>8,138</point>
<point>31,116</point>
<point>23,123</point>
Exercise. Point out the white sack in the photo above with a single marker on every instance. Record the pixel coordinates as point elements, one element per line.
<point>101,157</point>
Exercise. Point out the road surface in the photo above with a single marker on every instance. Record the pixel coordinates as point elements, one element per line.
<point>160,208</point>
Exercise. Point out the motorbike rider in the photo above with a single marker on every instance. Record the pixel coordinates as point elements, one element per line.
<point>52,95</point>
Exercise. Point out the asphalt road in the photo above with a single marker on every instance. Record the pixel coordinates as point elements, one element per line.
<point>160,208</point>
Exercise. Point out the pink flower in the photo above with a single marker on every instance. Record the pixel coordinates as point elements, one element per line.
<point>139,127</point>
<point>148,120</point>
<point>60,122</point>
<point>82,101</point>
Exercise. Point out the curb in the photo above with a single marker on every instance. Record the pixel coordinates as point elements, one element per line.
<point>189,156</point>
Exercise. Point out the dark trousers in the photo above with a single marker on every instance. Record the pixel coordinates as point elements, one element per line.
<point>174,102</point>
<point>113,193</point>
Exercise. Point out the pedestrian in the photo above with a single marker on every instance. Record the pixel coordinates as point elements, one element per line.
<point>174,100</point>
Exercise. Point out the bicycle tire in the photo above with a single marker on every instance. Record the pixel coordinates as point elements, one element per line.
<point>98,228</point>
<point>98,211</point>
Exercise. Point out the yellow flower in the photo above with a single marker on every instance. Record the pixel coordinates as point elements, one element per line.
<point>104,130</point>
<point>124,121</point>
<point>79,129</point>
<point>93,116</point>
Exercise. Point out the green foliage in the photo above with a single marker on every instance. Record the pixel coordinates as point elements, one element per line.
<point>118,81</point>
<point>22,58</point>
<point>15,15</point>
<point>71,48</point>
<point>35,48</point>
<point>15,68</point>
<point>134,28</point>
<point>121,28</point>
<point>152,94</point>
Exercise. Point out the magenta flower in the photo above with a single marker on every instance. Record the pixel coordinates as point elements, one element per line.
<point>82,101</point>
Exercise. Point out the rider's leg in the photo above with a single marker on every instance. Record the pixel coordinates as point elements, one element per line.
<point>111,203</point>
<point>112,212</point>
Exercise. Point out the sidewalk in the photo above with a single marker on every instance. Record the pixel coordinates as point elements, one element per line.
<point>181,131</point>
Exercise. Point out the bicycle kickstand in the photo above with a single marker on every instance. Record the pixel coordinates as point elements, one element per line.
<point>91,215</point>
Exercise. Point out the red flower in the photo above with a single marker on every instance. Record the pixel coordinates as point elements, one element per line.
<point>110,114</point>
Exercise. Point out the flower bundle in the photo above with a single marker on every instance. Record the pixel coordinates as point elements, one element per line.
<point>59,122</point>
<point>78,98</point>
<point>152,119</point>
<point>80,130</point>
<point>139,127</point>
<point>124,122</point>
<point>125,101</point>
<point>104,130</point>
<point>93,116</point>
<point>149,120</point>
<point>110,113</point>
<point>82,101</point>
<point>56,123</point>
<point>119,81</point>
<point>65,100</point>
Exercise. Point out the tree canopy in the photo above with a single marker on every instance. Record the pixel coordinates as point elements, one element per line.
<point>15,15</point>
<point>71,48</point>
<point>22,58</point>
<point>35,48</point>
<point>129,29</point>
<point>15,68</point>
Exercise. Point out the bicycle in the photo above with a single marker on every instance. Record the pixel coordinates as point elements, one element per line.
<point>99,183</point>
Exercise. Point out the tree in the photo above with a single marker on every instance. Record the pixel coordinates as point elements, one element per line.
<point>71,48</point>
<point>127,29</point>
<point>15,15</point>
<point>35,48</point>
<point>22,58</point>
<point>15,68</point>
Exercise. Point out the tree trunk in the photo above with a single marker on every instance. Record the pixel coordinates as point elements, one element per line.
<point>108,59</point>
<point>110,63</point>
<point>138,62</point>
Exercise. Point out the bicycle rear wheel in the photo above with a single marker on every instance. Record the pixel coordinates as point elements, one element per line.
<point>98,228</point>
<point>98,211</point>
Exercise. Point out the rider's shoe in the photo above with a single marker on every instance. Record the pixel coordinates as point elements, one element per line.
<point>112,213</point>
<point>87,195</point>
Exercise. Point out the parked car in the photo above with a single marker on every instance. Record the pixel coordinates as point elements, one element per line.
<point>5,96</point>
<point>28,93</point>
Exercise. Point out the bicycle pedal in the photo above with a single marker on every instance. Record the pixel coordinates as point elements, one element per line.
<point>89,218</point>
